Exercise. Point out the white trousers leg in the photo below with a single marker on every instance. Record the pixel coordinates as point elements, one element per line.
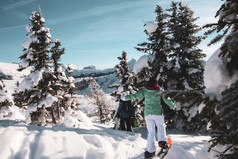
<point>151,122</point>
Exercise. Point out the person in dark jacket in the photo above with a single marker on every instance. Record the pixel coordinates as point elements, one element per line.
<point>125,111</point>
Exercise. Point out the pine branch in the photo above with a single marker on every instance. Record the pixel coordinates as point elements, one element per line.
<point>168,92</point>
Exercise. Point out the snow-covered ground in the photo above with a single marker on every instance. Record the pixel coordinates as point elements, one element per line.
<point>21,141</point>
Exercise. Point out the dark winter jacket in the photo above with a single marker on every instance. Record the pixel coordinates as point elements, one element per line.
<point>125,109</point>
<point>152,100</point>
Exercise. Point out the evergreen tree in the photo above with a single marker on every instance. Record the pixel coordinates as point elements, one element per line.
<point>127,83</point>
<point>156,46</point>
<point>5,96</point>
<point>97,97</point>
<point>224,123</point>
<point>70,91</point>
<point>37,90</point>
<point>185,63</point>
<point>48,91</point>
<point>63,86</point>
<point>126,78</point>
<point>227,21</point>
<point>185,68</point>
<point>6,101</point>
<point>70,101</point>
<point>36,47</point>
<point>56,110</point>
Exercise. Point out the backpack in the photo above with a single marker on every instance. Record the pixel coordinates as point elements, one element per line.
<point>136,122</point>
<point>128,108</point>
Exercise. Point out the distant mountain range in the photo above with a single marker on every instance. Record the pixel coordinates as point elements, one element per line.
<point>105,77</point>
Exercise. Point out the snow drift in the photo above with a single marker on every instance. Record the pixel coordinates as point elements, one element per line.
<point>216,75</point>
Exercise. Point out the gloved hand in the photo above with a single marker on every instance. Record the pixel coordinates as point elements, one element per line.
<point>123,98</point>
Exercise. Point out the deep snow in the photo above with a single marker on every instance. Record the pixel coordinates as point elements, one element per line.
<point>90,141</point>
<point>21,141</point>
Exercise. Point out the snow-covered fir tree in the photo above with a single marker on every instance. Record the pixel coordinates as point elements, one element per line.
<point>70,91</point>
<point>224,123</point>
<point>157,47</point>
<point>70,99</point>
<point>5,97</point>
<point>127,84</point>
<point>126,78</point>
<point>37,46</point>
<point>227,22</point>
<point>185,67</point>
<point>97,97</point>
<point>34,91</point>
<point>56,110</point>
<point>47,92</point>
<point>62,85</point>
<point>6,101</point>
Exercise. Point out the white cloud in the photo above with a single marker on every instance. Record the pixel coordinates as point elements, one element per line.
<point>17,4</point>
<point>100,51</point>
<point>11,28</point>
<point>204,9</point>
<point>101,10</point>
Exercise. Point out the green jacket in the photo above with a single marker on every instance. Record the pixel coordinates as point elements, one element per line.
<point>152,101</point>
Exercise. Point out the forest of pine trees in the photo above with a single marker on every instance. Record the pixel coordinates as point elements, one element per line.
<point>178,67</point>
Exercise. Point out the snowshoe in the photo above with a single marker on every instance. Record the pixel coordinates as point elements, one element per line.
<point>149,155</point>
<point>164,148</point>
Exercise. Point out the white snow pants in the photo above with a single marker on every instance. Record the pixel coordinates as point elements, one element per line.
<point>151,122</point>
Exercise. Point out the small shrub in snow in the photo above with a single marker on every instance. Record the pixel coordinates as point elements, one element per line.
<point>5,96</point>
<point>6,101</point>
<point>97,97</point>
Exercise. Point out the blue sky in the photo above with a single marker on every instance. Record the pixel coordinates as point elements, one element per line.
<point>93,32</point>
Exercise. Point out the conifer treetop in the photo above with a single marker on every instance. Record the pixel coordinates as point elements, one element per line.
<point>37,45</point>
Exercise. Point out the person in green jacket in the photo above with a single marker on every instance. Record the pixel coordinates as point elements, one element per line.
<point>153,114</point>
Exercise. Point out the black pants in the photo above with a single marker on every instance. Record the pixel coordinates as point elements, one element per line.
<point>125,124</point>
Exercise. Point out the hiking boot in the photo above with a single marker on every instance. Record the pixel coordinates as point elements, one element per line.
<point>163,144</point>
<point>149,155</point>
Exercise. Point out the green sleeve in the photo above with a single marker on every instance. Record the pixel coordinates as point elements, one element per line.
<point>169,102</point>
<point>137,95</point>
